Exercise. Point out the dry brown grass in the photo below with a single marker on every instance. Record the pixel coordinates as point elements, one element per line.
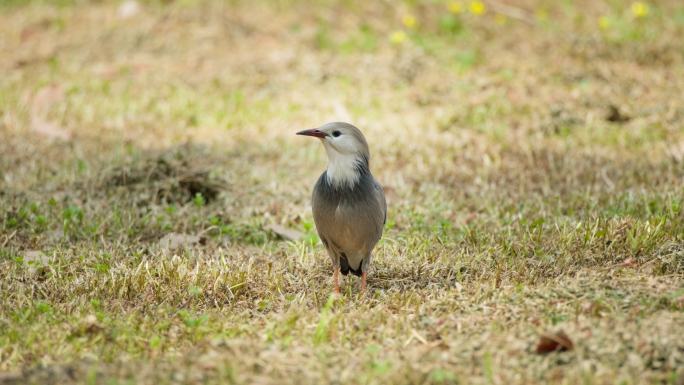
<point>534,173</point>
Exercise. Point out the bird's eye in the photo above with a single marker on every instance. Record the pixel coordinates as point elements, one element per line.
<point>336,133</point>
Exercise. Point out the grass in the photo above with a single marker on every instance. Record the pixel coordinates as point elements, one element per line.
<point>533,161</point>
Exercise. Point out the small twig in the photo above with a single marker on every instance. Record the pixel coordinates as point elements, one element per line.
<point>512,12</point>
<point>418,336</point>
<point>8,238</point>
<point>415,335</point>
<point>206,231</point>
<point>606,179</point>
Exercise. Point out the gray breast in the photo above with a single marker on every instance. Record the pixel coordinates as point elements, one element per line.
<point>349,220</point>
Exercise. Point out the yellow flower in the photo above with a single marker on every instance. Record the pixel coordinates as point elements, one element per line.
<point>500,19</point>
<point>477,7</point>
<point>541,15</point>
<point>455,7</point>
<point>604,22</point>
<point>398,37</point>
<point>409,21</point>
<point>640,9</point>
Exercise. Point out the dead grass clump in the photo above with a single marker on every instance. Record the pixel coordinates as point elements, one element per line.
<point>651,54</point>
<point>175,176</point>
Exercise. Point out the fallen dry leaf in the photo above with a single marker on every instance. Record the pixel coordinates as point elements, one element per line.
<point>36,262</point>
<point>88,325</point>
<point>552,342</point>
<point>174,241</point>
<point>35,257</point>
<point>40,105</point>
<point>45,98</point>
<point>629,262</point>
<point>49,129</point>
<point>33,29</point>
<point>128,9</point>
<point>91,325</point>
<point>284,232</point>
<point>615,115</point>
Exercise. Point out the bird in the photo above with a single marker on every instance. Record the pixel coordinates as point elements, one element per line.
<point>348,204</point>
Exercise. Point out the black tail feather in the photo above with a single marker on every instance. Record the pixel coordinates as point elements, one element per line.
<point>345,268</point>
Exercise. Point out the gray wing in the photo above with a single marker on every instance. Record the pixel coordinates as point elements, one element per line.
<point>380,196</point>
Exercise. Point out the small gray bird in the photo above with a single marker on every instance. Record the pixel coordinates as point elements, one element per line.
<point>348,203</point>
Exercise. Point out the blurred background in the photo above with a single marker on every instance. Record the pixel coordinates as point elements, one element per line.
<point>456,97</point>
<point>519,143</point>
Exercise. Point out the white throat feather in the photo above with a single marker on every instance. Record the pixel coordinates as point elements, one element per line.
<point>343,169</point>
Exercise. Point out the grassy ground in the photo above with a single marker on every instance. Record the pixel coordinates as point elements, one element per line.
<point>533,159</point>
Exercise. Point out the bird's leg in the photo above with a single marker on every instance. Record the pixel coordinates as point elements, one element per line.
<point>336,280</point>
<point>363,282</point>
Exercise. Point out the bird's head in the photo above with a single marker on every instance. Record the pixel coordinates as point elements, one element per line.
<point>347,151</point>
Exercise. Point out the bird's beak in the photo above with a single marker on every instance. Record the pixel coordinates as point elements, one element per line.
<point>313,132</point>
